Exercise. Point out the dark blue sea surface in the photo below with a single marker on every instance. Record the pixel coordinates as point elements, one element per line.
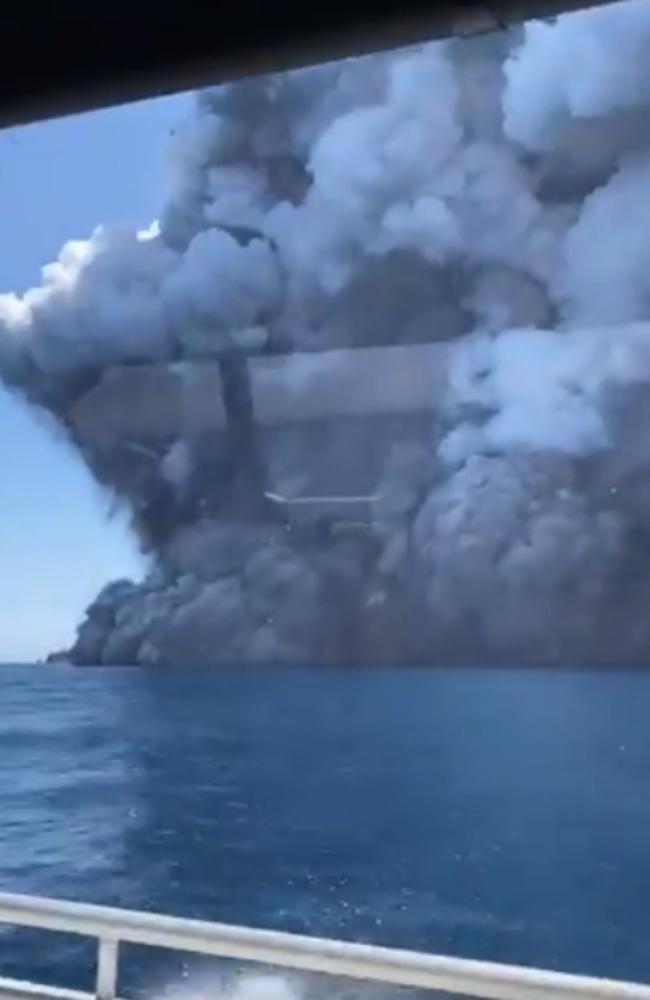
<point>485,813</point>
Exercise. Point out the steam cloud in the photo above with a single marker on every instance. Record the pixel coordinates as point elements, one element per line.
<point>492,192</point>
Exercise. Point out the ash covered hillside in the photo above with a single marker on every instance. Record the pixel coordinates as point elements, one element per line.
<point>418,282</point>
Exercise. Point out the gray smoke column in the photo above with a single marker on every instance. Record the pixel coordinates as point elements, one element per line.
<point>493,193</point>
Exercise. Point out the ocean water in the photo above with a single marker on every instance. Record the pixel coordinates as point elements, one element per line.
<point>494,814</point>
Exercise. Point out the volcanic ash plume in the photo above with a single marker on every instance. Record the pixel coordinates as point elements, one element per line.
<point>490,196</point>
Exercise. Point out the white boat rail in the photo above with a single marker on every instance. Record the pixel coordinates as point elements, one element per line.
<point>440,973</point>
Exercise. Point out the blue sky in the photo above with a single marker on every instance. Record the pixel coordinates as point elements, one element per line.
<point>58,545</point>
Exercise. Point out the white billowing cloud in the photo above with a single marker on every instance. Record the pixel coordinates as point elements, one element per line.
<point>99,302</point>
<point>218,286</point>
<point>176,466</point>
<point>388,152</point>
<point>426,224</point>
<point>585,65</point>
<point>540,390</point>
<point>238,197</point>
<point>390,161</point>
<point>122,296</point>
<point>605,276</point>
<point>493,192</point>
<point>377,169</point>
<point>500,217</point>
<point>338,164</point>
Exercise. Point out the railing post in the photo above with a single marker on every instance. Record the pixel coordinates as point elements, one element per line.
<point>107,969</point>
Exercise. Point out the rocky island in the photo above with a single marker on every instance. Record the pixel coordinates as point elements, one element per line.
<point>374,386</point>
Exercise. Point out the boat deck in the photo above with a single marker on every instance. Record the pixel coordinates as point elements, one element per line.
<point>397,967</point>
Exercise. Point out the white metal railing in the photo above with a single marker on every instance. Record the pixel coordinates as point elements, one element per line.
<point>359,961</point>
